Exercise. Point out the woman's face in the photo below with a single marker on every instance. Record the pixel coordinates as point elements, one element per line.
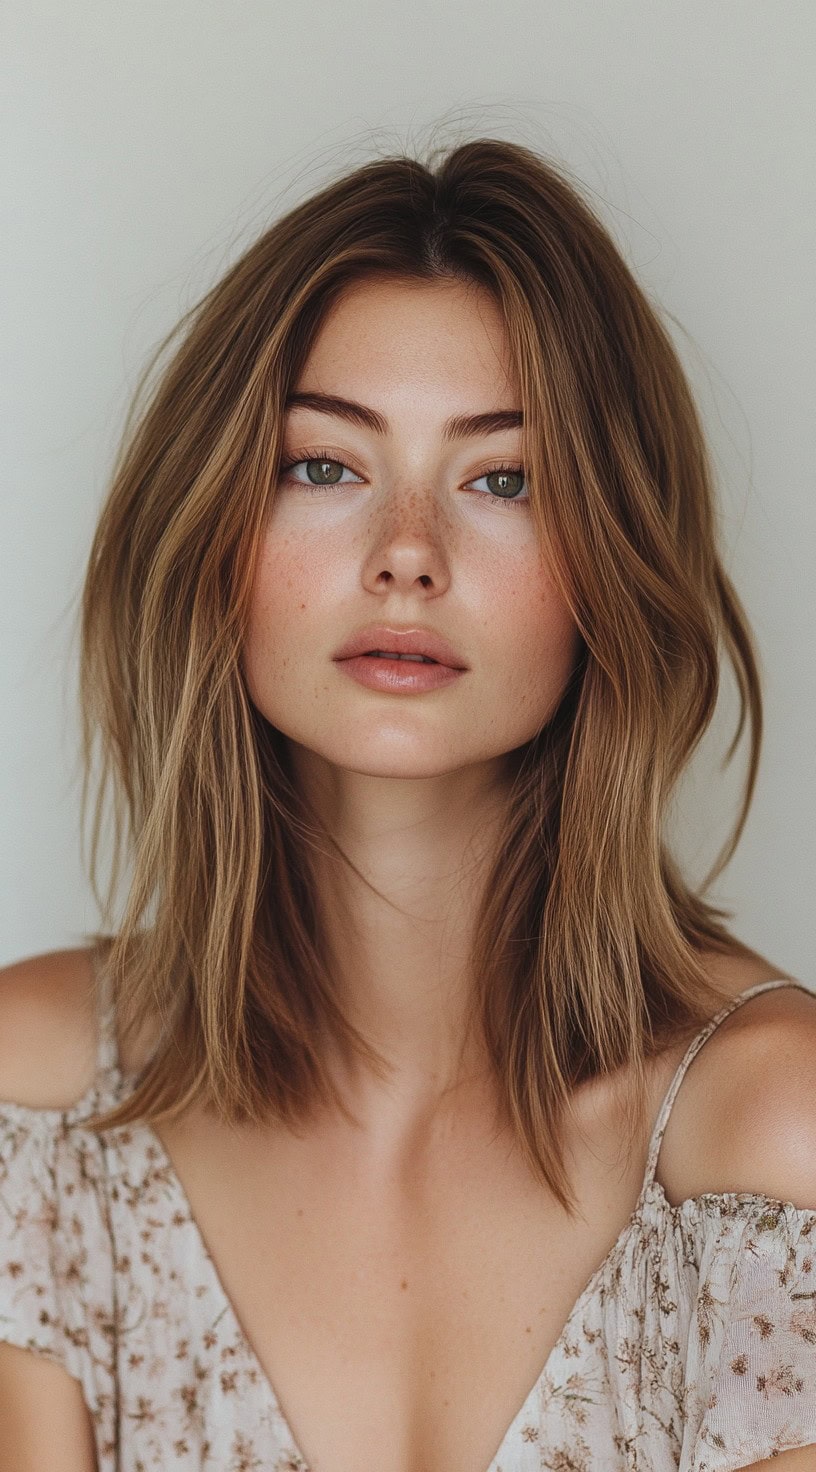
<point>403,524</point>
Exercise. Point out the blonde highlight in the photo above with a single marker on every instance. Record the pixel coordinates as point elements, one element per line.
<point>586,952</point>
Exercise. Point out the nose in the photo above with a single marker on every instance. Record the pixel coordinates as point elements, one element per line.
<point>409,545</point>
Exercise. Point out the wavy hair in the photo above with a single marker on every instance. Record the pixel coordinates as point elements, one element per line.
<point>586,955</point>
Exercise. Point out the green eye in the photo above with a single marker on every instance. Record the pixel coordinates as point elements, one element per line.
<point>506,483</point>
<point>323,472</point>
<point>322,469</point>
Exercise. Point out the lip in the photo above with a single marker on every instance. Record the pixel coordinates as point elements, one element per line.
<point>401,641</point>
<point>398,676</point>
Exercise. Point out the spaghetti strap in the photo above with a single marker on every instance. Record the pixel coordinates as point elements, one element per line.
<point>691,1053</point>
<point>107,1050</point>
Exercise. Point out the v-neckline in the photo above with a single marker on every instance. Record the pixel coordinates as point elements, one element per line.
<point>650,1189</point>
<point>227,1312</point>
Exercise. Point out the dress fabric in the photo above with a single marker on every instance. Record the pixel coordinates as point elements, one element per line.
<point>692,1346</point>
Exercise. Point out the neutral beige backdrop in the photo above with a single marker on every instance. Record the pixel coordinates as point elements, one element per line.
<point>146,144</point>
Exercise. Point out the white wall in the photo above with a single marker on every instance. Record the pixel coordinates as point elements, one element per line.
<point>147,143</point>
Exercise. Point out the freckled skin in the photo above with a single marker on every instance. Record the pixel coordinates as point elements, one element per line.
<point>402,540</point>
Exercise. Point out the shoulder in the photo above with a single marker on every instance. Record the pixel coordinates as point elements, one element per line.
<point>744,1118</point>
<point>48,1029</point>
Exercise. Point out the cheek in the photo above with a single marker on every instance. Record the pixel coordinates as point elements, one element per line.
<point>532,628</point>
<point>286,589</point>
<point>290,575</point>
<point>557,634</point>
<point>545,659</point>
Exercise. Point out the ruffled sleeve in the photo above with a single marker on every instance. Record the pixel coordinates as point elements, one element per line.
<point>751,1354</point>
<point>56,1281</point>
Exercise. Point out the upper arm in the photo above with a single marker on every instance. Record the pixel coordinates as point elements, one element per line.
<point>765,1138</point>
<point>801,1459</point>
<point>44,1421</point>
<point>744,1118</point>
<point>47,1041</point>
<point>47,1029</point>
<point>744,1121</point>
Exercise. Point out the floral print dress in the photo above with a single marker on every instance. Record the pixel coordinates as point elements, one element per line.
<point>692,1346</point>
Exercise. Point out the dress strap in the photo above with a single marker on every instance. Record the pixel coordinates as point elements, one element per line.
<point>692,1051</point>
<point>107,1050</point>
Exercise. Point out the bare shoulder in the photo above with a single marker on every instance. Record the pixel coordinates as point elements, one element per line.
<point>744,1118</point>
<point>48,1029</point>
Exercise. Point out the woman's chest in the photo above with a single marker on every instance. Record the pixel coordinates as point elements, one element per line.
<point>401,1309</point>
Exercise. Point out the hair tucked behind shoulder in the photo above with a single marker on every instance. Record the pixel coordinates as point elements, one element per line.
<point>586,957</point>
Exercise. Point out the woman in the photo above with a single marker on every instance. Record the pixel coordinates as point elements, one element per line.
<point>400,624</point>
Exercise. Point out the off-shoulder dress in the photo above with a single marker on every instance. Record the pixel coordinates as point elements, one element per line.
<point>692,1348</point>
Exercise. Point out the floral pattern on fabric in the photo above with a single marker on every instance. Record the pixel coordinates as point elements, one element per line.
<point>691,1349</point>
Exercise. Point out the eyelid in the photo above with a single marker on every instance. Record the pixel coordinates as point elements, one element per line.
<point>509,462</point>
<point>318,453</point>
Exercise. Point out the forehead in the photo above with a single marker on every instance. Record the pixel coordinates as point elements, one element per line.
<point>385,331</point>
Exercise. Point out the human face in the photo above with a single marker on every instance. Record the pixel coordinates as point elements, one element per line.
<point>413,534</point>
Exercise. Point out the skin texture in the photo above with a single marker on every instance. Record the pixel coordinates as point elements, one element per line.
<point>413,534</point>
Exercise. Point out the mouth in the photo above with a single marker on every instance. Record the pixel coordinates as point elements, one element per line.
<point>418,645</point>
<point>388,654</point>
<point>395,673</point>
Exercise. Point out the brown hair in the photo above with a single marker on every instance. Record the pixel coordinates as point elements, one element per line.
<point>586,955</point>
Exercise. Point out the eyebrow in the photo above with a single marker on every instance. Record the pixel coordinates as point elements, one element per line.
<point>459,426</point>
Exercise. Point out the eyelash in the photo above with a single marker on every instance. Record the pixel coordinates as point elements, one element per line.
<point>322,454</point>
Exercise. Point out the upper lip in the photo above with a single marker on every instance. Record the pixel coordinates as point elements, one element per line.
<point>401,641</point>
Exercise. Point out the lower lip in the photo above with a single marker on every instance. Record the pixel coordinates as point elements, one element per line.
<point>401,676</point>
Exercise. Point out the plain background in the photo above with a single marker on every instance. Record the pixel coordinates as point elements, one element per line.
<point>147,144</point>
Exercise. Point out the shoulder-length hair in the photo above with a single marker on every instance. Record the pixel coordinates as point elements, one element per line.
<point>587,952</point>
